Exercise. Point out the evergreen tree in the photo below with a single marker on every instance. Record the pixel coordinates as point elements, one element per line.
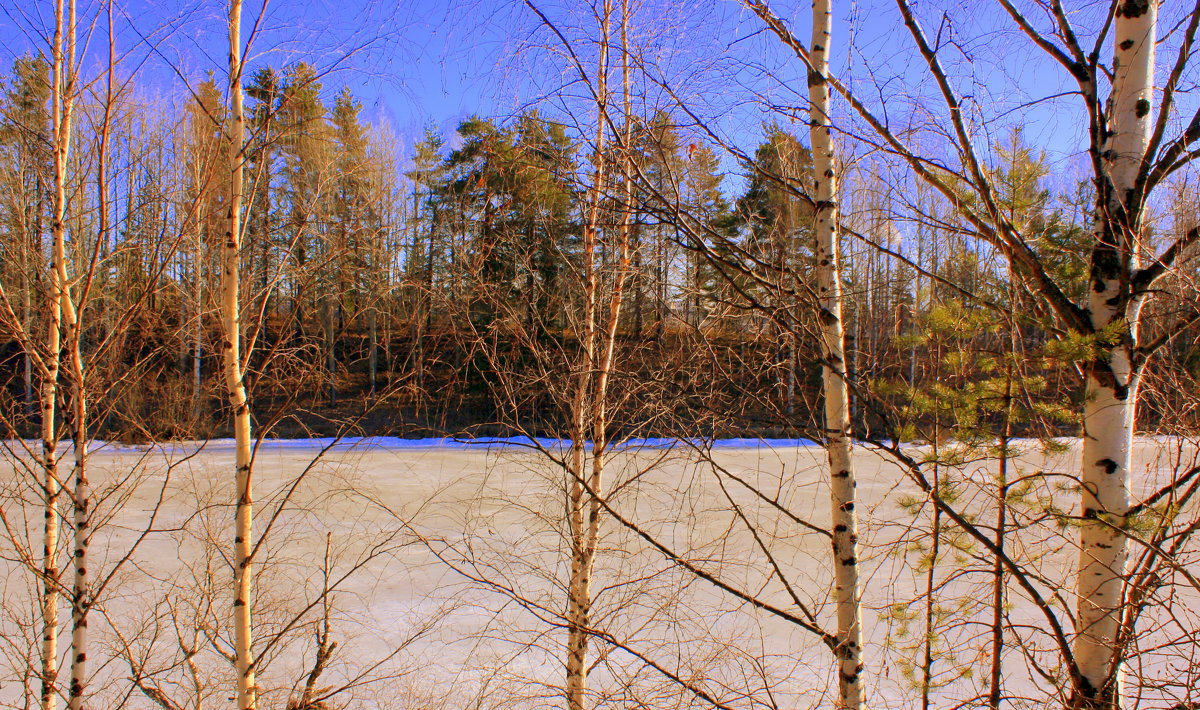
<point>776,242</point>
<point>703,199</point>
<point>304,145</point>
<point>265,92</point>
<point>657,151</point>
<point>351,216</point>
<point>421,266</point>
<point>475,187</point>
<point>510,189</point>
<point>542,219</point>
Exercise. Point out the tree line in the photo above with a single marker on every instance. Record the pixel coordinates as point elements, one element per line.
<point>373,268</point>
<point>253,259</point>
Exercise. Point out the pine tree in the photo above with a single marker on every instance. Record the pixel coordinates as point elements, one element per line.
<point>705,202</point>
<point>265,92</point>
<point>775,220</point>
<point>422,262</point>
<point>541,218</point>
<point>305,149</point>
<point>657,151</point>
<point>348,237</point>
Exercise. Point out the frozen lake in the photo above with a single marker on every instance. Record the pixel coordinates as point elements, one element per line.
<point>447,564</point>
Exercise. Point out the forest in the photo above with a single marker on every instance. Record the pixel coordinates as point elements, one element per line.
<point>841,354</point>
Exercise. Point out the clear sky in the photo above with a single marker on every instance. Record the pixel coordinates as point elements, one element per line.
<point>434,62</point>
<point>414,61</point>
<point>410,62</point>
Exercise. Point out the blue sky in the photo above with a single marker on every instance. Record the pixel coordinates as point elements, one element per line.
<point>434,62</point>
<point>412,62</point>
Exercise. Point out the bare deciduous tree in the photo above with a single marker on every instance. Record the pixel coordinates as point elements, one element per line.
<point>235,386</point>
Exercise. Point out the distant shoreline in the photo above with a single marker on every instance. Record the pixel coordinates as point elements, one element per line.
<point>366,443</point>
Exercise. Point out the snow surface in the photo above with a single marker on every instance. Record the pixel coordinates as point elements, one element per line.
<point>350,443</point>
<point>460,543</point>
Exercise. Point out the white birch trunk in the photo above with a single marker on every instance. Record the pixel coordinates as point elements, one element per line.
<point>836,388</point>
<point>81,502</point>
<point>579,589</point>
<point>1112,381</point>
<point>51,487</point>
<point>81,593</point>
<point>59,298</point>
<point>589,416</point>
<point>234,383</point>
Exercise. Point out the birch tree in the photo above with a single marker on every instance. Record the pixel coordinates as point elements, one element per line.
<point>81,493</point>
<point>844,519</point>
<point>1113,374</point>
<point>59,310</point>
<point>588,408</point>
<point>243,570</point>
<point>1130,154</point>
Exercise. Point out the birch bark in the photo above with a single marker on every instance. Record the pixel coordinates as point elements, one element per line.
<point>81,503</point>
<point>599,344</point>
<point>243,572</point>
<point>581,506</point>
<point>81,498</point>
<point>835,386</point>
<point>62,98</point>
<point>1112,378</point>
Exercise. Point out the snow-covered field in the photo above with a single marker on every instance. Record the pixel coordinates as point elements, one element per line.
<point>447,566</point>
